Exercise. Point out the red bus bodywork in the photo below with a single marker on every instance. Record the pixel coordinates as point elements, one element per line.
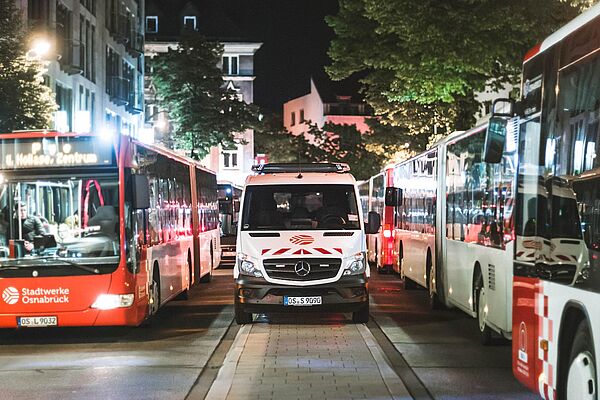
<point>70,298</point>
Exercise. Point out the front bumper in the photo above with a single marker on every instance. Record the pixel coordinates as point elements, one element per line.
<point>348,294</point>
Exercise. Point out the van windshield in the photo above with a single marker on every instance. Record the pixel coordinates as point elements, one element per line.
<point>300,207</point>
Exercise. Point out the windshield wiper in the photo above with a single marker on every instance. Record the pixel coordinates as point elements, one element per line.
<point>70,263</point>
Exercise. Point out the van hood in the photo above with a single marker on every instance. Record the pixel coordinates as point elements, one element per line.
<point>335,244</point>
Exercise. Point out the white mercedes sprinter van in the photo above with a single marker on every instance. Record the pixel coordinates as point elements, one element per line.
<point>301,242</point>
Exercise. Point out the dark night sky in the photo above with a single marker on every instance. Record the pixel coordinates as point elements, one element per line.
<point>296,39</point>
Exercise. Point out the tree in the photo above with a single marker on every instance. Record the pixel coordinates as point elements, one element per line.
<point>432,55</point>
<point>25,102</point>
<point>189,86</point>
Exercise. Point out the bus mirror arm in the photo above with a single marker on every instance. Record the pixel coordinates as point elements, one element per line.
<point>141,192</point>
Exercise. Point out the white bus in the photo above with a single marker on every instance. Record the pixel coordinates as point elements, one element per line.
<point>556,286</point>
<point>453,228</point>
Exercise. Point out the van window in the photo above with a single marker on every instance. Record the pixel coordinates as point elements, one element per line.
<point>300,207</point>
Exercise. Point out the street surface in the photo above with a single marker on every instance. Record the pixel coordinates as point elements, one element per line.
<point>192,351</point>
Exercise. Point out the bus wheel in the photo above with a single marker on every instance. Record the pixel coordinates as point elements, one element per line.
<point>242,317</point>
<point>581,378</point>
<point>185,295</point>
<point>208,277</point>
<point>154,300</point>
<point>485,332</point>
<point>434,300</point>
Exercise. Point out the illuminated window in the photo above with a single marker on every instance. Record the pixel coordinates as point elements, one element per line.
<point>189,22</point>
<point>231,65</point>
<point>152,24</point>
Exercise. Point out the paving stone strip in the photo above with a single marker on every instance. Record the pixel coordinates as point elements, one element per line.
<point>292,359</point>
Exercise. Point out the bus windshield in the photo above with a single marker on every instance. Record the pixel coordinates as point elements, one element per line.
<point>300,207</point>
<point>59,220</point>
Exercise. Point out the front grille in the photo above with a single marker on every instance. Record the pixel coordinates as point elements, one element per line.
<point>284,268</point>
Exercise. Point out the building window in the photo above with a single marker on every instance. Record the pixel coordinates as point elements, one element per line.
<point>230,65</point>
<point>230,158</point>
<point>189,22</point>
<point>293,119</point>
<point>302,116</point>
<point>152,24</point>
<point>64,115</point>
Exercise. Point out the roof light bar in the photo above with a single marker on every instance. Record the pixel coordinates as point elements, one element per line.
<point>272,168</point>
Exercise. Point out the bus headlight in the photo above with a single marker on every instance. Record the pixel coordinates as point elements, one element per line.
<point>112,301</point>
<point>247,267</point>
<point>356,266</point>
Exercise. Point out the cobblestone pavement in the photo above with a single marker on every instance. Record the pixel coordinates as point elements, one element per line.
<point>306,356</point>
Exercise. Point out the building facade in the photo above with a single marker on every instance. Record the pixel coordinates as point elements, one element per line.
<point>95,61</point>
<point>163,24</point>
<point>324,104</point>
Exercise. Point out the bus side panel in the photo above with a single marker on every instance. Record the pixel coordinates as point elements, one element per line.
<point>525,331</point>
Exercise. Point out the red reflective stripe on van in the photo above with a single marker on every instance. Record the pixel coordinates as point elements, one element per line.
<point>338,250</point>
<point>280,251</point>
<point>322,250</point>
<point>264,251</point>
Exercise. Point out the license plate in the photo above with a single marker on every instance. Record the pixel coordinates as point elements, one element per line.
<point>31,322</point>
<point>302,301</point>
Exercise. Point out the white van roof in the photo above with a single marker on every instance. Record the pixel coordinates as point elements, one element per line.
<point>305,178</point>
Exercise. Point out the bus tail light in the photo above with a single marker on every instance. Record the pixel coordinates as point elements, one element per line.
<point>112,301</point>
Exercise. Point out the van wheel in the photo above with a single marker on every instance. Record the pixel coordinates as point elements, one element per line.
<point>581,377</point>
<point>485,332</point>
<point>208,277</point>
<point>361,316</point>
<point>410,284</point>
<point>242,317</point>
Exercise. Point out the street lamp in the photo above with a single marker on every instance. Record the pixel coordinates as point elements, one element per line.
<point>40,47</point>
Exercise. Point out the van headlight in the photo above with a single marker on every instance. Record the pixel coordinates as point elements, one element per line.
<point>112,301</point>
<point>357,265</point>
<point>247,267</point>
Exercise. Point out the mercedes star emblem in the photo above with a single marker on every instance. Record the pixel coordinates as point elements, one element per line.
<point>302,268</point>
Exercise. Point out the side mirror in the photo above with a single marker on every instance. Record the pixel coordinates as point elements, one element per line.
<point>495,138</point>
<point>141,192</point>
<point>393,196</point>
<point>373,224</point>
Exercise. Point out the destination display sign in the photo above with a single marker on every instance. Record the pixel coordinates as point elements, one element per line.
<point>55,152</point>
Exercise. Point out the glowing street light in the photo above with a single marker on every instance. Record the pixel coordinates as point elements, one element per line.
<point>40,48</point>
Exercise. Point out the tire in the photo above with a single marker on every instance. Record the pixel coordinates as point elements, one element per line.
<point>361,316</point>
<point>409,284</point>
<point>434,300</point>
<point>485,332</point>
<point>185,295</point>
<point>208,277</point>
<point>242,317</point>
<point>580,381</point>
<point>153,296</point>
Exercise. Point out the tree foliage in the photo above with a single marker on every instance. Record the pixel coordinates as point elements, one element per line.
<point>432,55</point>
<point>25,102</point>
<point>189,86</point>
<point>331,143</point>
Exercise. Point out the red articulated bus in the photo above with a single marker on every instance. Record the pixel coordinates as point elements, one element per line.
<point>380,246</point>
<point>99,231</point>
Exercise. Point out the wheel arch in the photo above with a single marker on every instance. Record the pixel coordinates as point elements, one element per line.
<point>573,314</point>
